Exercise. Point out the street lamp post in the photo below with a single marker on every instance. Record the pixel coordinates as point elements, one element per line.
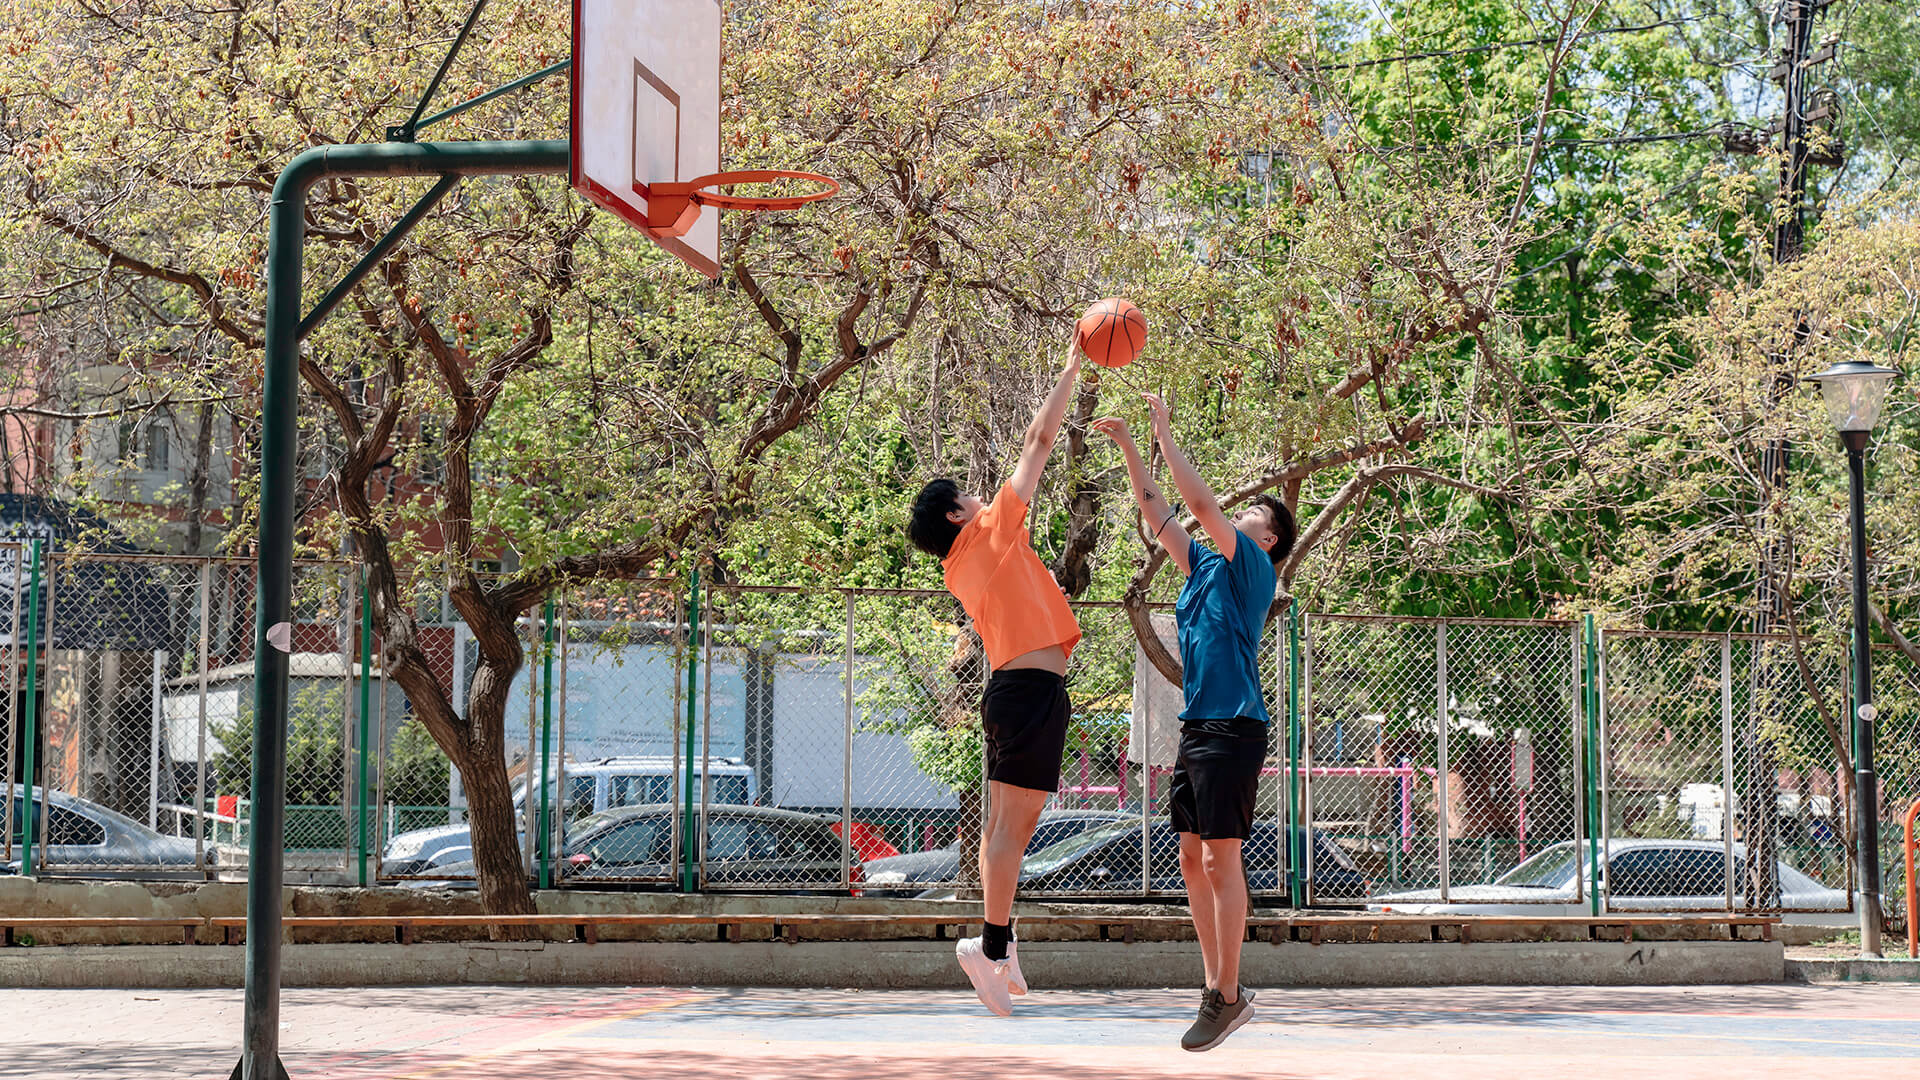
<point>1854,391</point>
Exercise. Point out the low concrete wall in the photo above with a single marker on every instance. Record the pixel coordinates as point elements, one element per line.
<point>902,964</point>
<point>1893,969</point>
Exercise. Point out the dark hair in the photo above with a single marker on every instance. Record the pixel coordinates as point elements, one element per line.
<point>1283,526</point>
<point>928,527</point>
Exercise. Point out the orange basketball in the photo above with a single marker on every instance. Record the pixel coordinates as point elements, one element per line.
<point>1112,332</point>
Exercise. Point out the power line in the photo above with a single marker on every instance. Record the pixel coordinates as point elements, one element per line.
<point>1717,132</point>
<point>1554,40</point>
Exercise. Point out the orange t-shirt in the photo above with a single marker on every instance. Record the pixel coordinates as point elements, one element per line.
<point>1015,603</point>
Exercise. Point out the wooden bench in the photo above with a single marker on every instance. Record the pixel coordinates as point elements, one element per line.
<point>1312,929</point>
<point>1316,926</point>
<point>189,927</point>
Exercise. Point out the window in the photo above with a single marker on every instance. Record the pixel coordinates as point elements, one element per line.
<point>1049,833</point>
<point>729,789</point>
<point>1166,854</point>
<point>579,797</point>
<point>158,449</point>
<point>1695,873</point>
<point>639,841</point>
<point>1667,872</point>
<point>640,790</point>
<point>741,838</point>
<point>63,826</point>
<point>1550,869</point>
<point>66,827</point>
<point>808,841</point>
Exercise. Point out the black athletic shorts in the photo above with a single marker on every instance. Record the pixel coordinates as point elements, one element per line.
<point>1216,777</point>
<point>1024,711</point>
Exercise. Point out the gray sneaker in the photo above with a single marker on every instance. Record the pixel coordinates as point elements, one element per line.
<point>1217,1021</point>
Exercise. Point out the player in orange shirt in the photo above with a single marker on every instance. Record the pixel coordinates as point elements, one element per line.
<point>1028,632</point>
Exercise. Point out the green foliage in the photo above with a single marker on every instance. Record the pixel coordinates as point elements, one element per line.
<point>950,755</point>
<point>416,768</point>
<point>315,747</point>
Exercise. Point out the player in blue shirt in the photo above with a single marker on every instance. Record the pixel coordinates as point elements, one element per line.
<point>1223,738</point>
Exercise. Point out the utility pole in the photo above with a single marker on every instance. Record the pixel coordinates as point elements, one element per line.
<point>1798,150</point>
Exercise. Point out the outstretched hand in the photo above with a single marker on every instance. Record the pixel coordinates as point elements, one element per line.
<point>1113,428</point>
<point>1157,409</point>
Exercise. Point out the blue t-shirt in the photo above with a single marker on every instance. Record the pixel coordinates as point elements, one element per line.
<point>1220,615</point>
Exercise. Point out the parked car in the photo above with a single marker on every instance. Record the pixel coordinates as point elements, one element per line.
<point>84,835</point>
<point>1106,860</point>
<point>592,786</point>
<point>632,846</point>
<point>914,872</point>
<point>1639,875</point>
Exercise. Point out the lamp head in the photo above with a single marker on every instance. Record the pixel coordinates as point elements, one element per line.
<point>1855,391</point>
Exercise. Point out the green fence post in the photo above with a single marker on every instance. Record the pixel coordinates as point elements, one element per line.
<point>544,841</point>
<point>1296,829</point>
<point>1590,761</point>
<point>366,709</point>
<point>693,671</point>
<point>29,728</point>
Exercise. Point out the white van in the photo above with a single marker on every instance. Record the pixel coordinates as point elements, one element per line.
<point>591,786</point>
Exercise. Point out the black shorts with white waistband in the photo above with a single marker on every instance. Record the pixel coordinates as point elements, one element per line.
<point>1024,712</point>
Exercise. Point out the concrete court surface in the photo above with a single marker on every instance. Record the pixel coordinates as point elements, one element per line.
<point>509,1033</point>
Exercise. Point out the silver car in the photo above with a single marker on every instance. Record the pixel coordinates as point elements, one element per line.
<point>82,836</point>
<point>1638,875</point>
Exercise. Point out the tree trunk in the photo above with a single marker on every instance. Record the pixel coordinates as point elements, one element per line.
<point>496,852</point>
<point>198,479</point>
<point>1074,571</point>
<point>973,812</point>
<point>496,849</point>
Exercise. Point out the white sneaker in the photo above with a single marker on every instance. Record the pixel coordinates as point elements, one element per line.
<point>1016,982</point>
<point>989,977</point>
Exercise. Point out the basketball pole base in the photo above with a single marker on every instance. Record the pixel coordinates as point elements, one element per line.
<point>279,1070</point>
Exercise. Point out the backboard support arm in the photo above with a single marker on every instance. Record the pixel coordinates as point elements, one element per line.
<point>405,132</point>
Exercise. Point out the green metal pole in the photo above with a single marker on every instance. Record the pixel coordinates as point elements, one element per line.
<point>366,721</point>
<point>1297,829</point>
<point>546,751</point>
<point>30,730</point>
<point>693,669</point>
<point>1591,763</point>
<point>273,596</point>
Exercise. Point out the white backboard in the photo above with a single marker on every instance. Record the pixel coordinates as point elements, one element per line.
<point>646,109</point>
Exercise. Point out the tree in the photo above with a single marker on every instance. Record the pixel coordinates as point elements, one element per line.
<point>592,409</point>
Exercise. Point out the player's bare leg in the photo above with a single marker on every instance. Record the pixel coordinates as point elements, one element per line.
<point>1012,813</point>
<point>1200,902</point>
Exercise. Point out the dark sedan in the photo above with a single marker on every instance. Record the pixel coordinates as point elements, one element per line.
<point>753,847</point>
<point>1108,860</point>
<point>84,837</point>
<point>915,872</point>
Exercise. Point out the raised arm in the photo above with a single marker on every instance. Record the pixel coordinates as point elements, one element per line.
<point>1193,490</point>
<point>1045,428</point>
<point>1146,494</point>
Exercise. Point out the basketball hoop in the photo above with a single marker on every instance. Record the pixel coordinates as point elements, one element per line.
<point>672,207</point>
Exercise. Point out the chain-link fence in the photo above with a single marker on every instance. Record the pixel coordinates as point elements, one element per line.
<point>140,723</point>
<point>1720,788</point>
<point>15,579</point>
<point>1440,755</point>
<point>783,739</point>
<point>1897,763</point>
<point>610,717</point>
